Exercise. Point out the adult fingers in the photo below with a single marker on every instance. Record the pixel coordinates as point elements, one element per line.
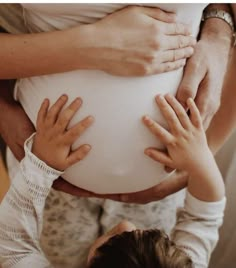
<point>162,134</point>
<point>65,116</point>
<point>66,187</point>
<point>159,14</point>
<point>177,54</point>
<point>42,112</point>
<point>174,183</point>
<point>179,110</point>
<point>208,100</point>
<point>160,157</point>
<point>194,113</point>
<point>167,66</point>
<point>76,131</point>
<point>56,108</point>
<point>177,29</point>
<point>177,41</point>
<point>78,155</point>
<point>193,76</point>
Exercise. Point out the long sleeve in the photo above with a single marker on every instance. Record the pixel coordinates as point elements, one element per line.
<point>21,213</point>
<point>196,230</point>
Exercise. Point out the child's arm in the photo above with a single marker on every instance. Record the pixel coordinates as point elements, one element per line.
<point>196,231</point>
<point>21,211</point>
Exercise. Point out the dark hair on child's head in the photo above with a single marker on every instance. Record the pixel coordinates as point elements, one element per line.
<point>140,249</point>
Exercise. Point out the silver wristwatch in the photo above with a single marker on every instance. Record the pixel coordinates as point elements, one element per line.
<point>221,14</point>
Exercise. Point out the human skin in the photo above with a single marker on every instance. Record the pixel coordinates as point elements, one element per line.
<point>161,44</point>
<point>170,185</point>
<point>205,71</point>
<point>185,136</point>
<point>216,134</point>
<point>52,142</point>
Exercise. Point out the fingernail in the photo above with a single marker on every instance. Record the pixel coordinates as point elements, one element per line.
<point>87,147</point>
<point>168,95</point>
<point>90,118</point>
<point>64,97</point>
<point>189,101</point>
<point>78,100</point>
<point>147,152</point>
<point>190,51</point>
<point>145,118</point>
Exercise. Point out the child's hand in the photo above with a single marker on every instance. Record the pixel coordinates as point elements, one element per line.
<point>185,140</point>
<point>53,141</point>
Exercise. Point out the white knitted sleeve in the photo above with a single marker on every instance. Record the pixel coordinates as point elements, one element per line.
<point>21,213</point>
<point>197,228</point>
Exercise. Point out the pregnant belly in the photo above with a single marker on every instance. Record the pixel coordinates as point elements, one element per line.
<point>116,163</point>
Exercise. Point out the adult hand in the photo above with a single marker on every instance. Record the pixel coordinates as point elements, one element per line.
<point>176,182</point>
<point>205,70</point>
<point>138,41</point>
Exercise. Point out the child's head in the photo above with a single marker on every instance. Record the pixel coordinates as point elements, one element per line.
<point>138,249</point>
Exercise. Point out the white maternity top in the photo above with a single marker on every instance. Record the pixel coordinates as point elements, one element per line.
<point>118,138</point>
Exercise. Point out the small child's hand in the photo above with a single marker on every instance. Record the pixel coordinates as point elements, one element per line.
<point>53,141</point>
<point>185,140</point>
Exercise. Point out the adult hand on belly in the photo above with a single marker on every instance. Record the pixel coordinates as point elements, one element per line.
<point>138,41</point>
<point>205,70</point>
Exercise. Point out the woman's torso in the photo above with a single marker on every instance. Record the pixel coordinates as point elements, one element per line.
<point>118,138</point>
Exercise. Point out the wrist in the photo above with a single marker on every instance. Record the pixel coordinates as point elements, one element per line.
<point>203,166</point>
<point>218,23</point>
<point>85,43</point>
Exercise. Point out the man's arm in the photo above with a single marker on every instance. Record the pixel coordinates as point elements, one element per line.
<point>224,122</point>
<point>205,70</point>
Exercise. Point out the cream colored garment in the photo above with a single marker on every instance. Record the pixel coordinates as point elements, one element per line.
<point>118,138</point>
<point>11,18</point>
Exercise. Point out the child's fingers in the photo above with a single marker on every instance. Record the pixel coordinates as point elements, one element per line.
<point>160,157</point>
<point>66,115</point>
<point>194,113</point>
<point>162,134</point>
<point>76,131</point>
<point>56,108</point>
<point>78,154</point>
<point>169,114</point>
<point>42,112</point>
<point>179,110</point>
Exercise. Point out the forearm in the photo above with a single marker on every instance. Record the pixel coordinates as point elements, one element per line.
<point>224,121</point>
<point>21,212</point>
<point>26,55</point>
<point>205,181</point>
